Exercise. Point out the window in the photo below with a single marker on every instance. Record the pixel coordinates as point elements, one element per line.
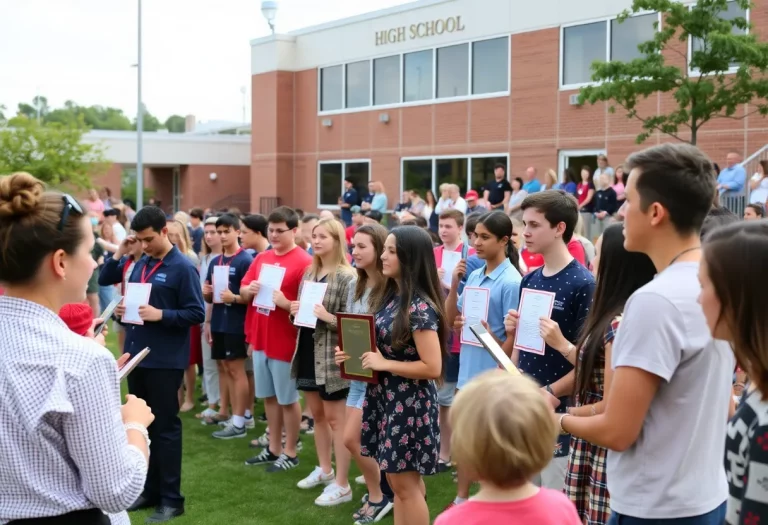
<point>330,88</point>
<point>386,80</point>
<point>331,175</point>
<point>468,172</point>
<point>358,80</point>
<point>451,171</point>
<point>483,171</point>
<point>417,175</point>
<point>418,76</point>
<point>490,66</point>
<point>453,71</point>
<point>582,45</point>
<point>625,37</point>
<point>732,11</point>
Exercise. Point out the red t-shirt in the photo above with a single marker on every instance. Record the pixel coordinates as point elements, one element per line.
<point>349,232</point>
<point>582,190</point>
<point>547,507</point>
<point>456,341</point>
<point>272,332</point>
<point>534,260</point>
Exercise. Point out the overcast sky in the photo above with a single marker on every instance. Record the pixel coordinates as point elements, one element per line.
<point>196,52</point>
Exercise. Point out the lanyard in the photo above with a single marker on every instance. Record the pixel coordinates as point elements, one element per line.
<point>144,275</point>
<point>221,258</point>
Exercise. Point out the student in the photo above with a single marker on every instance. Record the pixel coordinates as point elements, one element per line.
<point>450,225</point>
<point>196,229</point>
<point>175,304</point>
<point>212,369</point>
<point>493,242</point>
<point>131,258</point>
<point>272,337</point>
<point>754,212</point>
<point>671,380</point>
<point>365,297</point>
<point>308,223</point>
<point>504,445</point>
<point>410,332</point>
<point>550,217</point>
<point>314,368</point>
<point>733,301</point>
<point>227,325</point>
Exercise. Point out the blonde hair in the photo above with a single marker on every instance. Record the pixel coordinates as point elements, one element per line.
<point>182,217</point>
<point>185,240</point>
<point>336,231</point>
<point>507,433</point>
<point>550,178</point>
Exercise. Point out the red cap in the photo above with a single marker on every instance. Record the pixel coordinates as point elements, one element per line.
<point>77,316</point>
<point>471,194</point>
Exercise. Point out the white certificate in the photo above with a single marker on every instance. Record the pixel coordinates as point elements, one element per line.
<point>474,310</point>
<point>534,305</point>
<point>312,293</point>
<point>136,295</point>
<point>270,279</point>
<point>220,276</point>
<point>450,260</point>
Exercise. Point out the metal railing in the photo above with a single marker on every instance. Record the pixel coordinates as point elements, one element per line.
<point>737,203</point>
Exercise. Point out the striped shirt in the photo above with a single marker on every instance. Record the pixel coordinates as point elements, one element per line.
<point>63,446</point>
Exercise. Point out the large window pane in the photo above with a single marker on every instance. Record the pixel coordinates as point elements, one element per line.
<point>359,84</point>
<point>418,76</point>
<point>490,66</point>
<point>386,80</point>
<point>453,71</point>
<point>417,175</point>
<point>582,45</point>
<point>359,173</point>
<point>451,171</point>
<point>482,171</point>
<point>732,11</point>
<point>330,88</point>
<point>330,185</point>
<point>625,37</point>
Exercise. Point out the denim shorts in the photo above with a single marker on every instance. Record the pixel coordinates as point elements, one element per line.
<point>273,379</point>
<point>716,517</point>
<point>356,394</point>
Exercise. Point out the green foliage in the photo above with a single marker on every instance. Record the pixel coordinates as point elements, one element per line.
<point>93,117</point>
<point>176,124</point>
<point>54,153</point>
<point>148,123</point>
<point>128,187</point>
<point>727,69</point>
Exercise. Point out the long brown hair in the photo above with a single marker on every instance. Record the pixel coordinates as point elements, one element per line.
<point>378,235</point>
<point>735,256</point>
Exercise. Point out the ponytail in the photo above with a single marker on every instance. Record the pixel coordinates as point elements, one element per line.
<point>513,255</point>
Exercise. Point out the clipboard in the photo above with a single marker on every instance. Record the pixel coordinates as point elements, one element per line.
<point>493,348</point>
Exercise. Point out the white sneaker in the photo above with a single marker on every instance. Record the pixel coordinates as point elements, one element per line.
<point>250,423</point>
<point>334,495</point>
<point>360,480</point>
<point>317,477</point>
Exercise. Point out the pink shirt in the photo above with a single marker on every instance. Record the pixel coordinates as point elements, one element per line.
<point>95,207</point>
<point>548,507</point>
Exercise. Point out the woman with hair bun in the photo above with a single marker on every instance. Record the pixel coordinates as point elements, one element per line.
<point>69,451</point>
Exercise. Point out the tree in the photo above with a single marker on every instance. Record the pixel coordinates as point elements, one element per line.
<point>149,122</point>
<point>54,153</point>
<point>727,69</point>
<point>176,124</point>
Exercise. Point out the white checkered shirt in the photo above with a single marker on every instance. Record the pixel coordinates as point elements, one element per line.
<point>62,442</point>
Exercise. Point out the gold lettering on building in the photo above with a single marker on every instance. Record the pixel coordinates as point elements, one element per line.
<point>427,29</point>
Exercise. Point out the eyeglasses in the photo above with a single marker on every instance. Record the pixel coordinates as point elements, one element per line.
<point>70,205</point>
<point>270,231</point>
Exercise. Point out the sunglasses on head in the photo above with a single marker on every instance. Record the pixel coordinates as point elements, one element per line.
<point>70,205</point>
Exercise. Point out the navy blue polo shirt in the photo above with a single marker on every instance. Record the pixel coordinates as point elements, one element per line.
<point>573,287</point>
<point>176,291</point>
<point>230,318</point>
<point>350,197</point>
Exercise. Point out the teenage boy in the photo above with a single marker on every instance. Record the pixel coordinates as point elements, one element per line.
<point>211,372</point>
<point>664,419</point>
<point>550,218</point>
<point>273,338</point>
<point>175,304</point>
<point>308,223</point>
<point>196,230</point>
<point>228,322</point>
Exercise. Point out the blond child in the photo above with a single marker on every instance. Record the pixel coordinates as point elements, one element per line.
<point>504,435</point>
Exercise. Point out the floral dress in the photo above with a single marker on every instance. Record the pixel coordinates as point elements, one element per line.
<point>585,483</point>
<point>400,415</point>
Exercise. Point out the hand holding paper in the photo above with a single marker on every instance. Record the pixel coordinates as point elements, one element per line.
<point>270,279</point>
<point>312,294</point>
<point>450,260</point>
<point>220,282</point>
<point>474,310</point>
<point>534,305</point>
<point>136,295</point>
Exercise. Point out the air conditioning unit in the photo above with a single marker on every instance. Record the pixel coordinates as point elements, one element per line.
<point>573,100</point>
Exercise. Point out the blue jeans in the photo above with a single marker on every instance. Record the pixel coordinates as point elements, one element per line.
<point>106,294</point>
<point>716,517</point>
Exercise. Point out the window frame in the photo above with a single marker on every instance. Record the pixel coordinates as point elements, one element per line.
<point>695,72</point>
<point>435,158</point>
<point>429,101</point>
<point>608,34</point>
<point>343,164</point>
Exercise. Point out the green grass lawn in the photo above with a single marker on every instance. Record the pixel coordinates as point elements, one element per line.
<point>220,489</point>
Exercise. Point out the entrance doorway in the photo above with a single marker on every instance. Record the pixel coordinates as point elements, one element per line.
<point>576,159</point>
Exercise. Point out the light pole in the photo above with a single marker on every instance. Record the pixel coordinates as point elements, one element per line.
<point>269,10</point>
<point>139,129</point>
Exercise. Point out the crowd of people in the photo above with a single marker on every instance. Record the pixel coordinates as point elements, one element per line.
<point>644,404</point>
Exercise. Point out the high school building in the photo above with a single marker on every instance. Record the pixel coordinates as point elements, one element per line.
<point>439,90</point>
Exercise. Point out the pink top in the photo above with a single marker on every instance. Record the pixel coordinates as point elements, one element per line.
<point>548,507</point>
<point>619,189</point>
<point>95,207</point>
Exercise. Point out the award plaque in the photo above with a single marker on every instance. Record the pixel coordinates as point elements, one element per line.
<point>357,336</point>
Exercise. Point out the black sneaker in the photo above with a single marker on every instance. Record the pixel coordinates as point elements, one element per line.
<point>283,463</point>
<point>202,399</point>
<point>262,458</point>
<point>263,417</point>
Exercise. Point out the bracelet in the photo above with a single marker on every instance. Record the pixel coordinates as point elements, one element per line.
<point>141,429</point>
<point>593,410</point>
<point>568,352</point>
<point>563,432</point>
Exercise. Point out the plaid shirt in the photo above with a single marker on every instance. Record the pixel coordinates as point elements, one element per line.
<point>62,443</point>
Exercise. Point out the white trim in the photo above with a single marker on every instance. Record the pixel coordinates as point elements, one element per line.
<point>433,100</point>
<point>435,158</point>
<point>564,154</point>
<point>695,72</point>
<point>343,163</point>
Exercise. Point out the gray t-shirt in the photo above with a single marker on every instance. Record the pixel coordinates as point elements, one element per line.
<point>675,468</point>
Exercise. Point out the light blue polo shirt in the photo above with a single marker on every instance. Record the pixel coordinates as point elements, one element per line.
<point>504,286</point>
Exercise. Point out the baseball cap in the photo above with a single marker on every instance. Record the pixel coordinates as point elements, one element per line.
<point>471,194</point>
<point>355,209</point>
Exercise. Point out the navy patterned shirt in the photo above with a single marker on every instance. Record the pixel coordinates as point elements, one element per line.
<point>573,287</point>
